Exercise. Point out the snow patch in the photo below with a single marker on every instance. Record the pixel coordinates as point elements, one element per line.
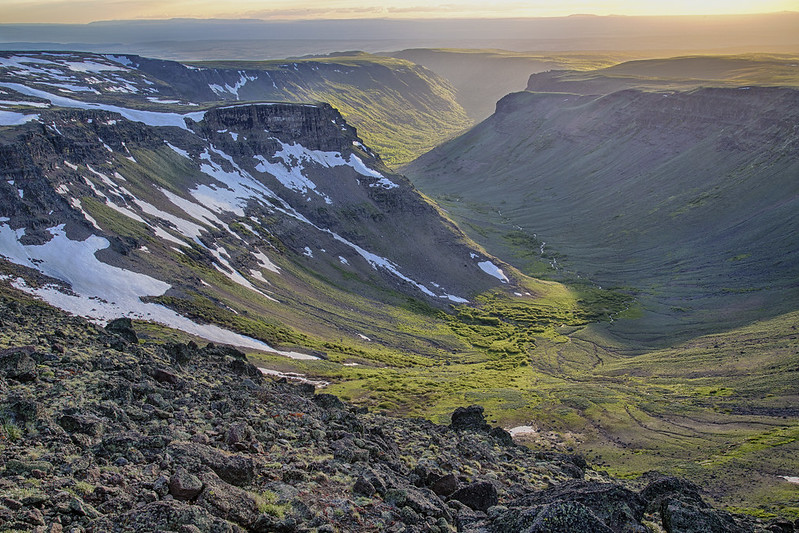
<point>493,270</point>
<point>151,118</point>
<point>102,292</point>
<point>11,118</point>
<point>264,262</point>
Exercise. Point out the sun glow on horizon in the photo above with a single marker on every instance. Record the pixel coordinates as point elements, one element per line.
<point>84,11</point>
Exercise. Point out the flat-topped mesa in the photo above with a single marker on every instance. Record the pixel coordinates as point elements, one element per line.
<point>315,126</point>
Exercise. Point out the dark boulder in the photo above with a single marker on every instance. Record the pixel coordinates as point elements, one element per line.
<point>669,487</point>
<point>183,485</point>
<point>363,487</point>
<point>77,422</point>
<point>680,517</point>
<point>557,517</point>
<point>224,351</point>
<point>469,418</point>
<point>124,328</point>
<point>445,485</point>
<point>617,507</point>
<point>163,375</point>
<point>502,436</point>
<point>17,363</point>
<point>233,468</point>
<point>478,496</point>
<point>226,501</point>
<point>328,401</point>
<point>181,353</point>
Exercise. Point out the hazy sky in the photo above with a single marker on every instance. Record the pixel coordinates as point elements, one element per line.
<point>80,11</point>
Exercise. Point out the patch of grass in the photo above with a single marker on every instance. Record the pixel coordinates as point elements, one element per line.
<point>266,503</point>
<point>10,432</point>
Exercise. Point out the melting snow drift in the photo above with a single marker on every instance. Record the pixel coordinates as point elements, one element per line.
<point>93,282</point>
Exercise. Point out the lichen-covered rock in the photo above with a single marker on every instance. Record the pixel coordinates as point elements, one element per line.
<point>124,328</point>
<point>478,496</point>
<point>557,517</point>
<point>680,517</point>
<point>226,501</point>
<point>619,508</point>
<point>237,469</point>
<point>183,485</point>
<point>17,364</point>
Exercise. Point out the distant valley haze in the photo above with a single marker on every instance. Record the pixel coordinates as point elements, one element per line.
<point>275,30</point>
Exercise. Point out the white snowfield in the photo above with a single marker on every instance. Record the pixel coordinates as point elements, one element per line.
<point>93,283</point>
<point>12,118</point>
<point>151,118</point>
<point>493,270</point>
<point>67,72</point>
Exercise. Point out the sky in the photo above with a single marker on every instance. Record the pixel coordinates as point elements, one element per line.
<point>84,11</point>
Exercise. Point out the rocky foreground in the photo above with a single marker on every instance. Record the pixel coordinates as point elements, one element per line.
<point>103,433</point>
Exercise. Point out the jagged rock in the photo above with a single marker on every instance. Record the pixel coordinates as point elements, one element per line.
<point>557,517</point>
<point>235,469</point>
<point>82,423</point>
<point>363,487</point>
<point>17,363</point>
<point>239,435</point>
<point>124,328</point>
<point>162,375</point>
<point>181,353</point>
<point>183,485</point>
<point>81,508</point>
<point>669,487</point>
<point>167,516</point>
<point>244,368</point>
<point>617,507</point>
<point>426,503</point>
<point>478,496</point>
<point>224,350</point>
<point>445,485</point>
<point>501,435</point>
<point>679,517</point>
<point>345,450</point>
<point>780,526</point>
<point>328,401</point>
<point>16,466</point>
<point>226,501</point>
<point>23,410</point>
<point>469,418</point>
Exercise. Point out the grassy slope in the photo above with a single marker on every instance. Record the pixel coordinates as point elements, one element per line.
<point>401,110</point>
<point>695,215</point>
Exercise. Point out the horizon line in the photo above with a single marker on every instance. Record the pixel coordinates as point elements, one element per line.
<point>398,19</point>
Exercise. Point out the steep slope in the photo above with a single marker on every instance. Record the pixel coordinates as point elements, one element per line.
<point>689,198</point>
<point>269,219</point>
<point>402,110</point>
